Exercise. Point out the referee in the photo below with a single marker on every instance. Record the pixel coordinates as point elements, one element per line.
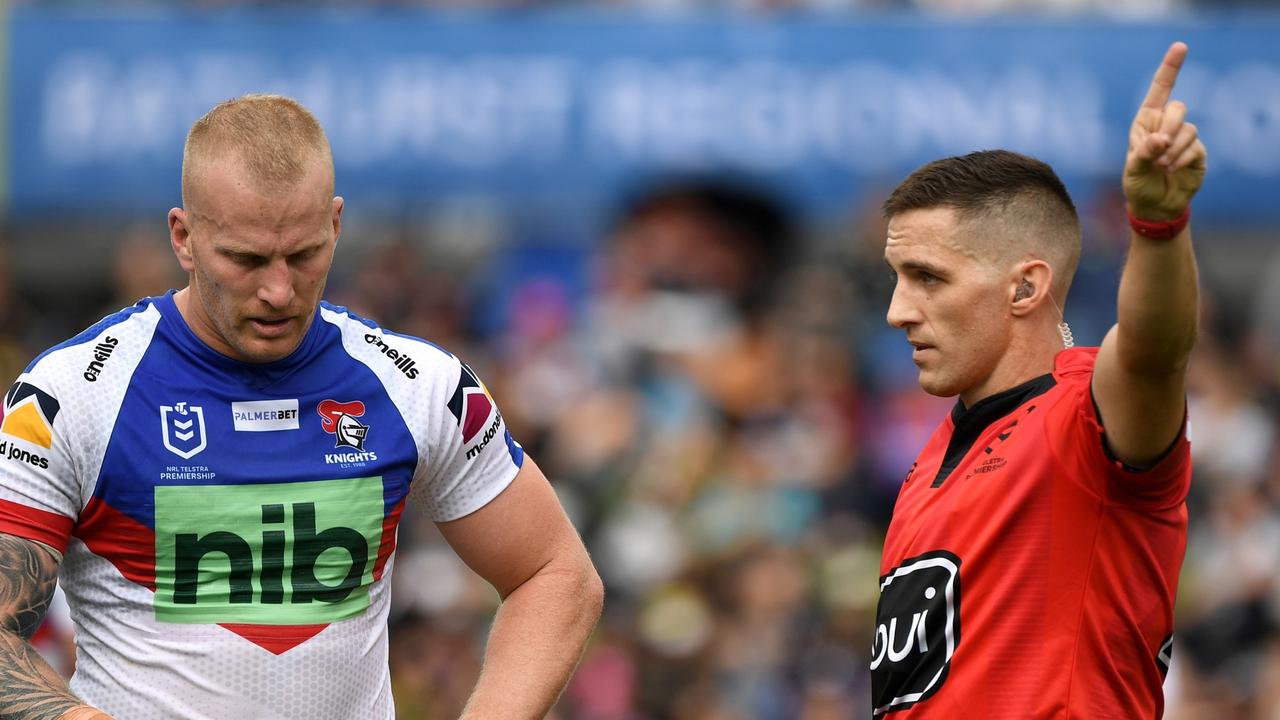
<point>1032,561</point>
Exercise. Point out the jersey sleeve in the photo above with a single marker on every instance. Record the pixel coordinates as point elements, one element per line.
<point>471,457</point>
<point>1162,485</point>
<point>39,491</point>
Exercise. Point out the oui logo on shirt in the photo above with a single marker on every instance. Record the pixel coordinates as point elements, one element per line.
<point>917,630</point>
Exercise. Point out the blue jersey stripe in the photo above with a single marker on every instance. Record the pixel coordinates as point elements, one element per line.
<point>343,310</point>
<point>97,328</point>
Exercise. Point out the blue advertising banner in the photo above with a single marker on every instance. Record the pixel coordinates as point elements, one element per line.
<point>564,108</point>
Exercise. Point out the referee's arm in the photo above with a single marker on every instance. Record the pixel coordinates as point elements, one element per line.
<point>1139,382</point>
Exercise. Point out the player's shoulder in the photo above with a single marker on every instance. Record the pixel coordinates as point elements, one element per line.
<point>385,350</point>
<point>86,376</point>
<point>87,356</point>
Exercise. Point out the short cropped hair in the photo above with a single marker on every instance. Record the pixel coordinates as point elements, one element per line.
<point>1019,192</point>
<point>275,137</point>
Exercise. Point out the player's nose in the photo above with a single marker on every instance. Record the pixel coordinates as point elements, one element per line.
<point>276,285</point>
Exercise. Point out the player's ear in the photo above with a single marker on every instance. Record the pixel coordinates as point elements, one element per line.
<point>338,204</point>
<point>180,238</point>
<point>1029,287</point>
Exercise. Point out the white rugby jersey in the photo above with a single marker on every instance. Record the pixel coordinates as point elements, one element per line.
<point>228,528</point>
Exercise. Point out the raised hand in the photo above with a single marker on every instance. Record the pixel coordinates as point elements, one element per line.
<point>1166,161</point>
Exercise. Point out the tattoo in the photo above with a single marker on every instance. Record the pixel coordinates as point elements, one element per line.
<point>28,575</point>
<point>29,688</point>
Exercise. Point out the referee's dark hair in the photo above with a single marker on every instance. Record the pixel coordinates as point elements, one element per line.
<point>1019,203</point>
<point>977,183</point>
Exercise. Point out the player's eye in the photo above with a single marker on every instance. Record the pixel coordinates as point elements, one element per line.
<point>929,278</point>
<point>246,260</point>
<point>303,256</point>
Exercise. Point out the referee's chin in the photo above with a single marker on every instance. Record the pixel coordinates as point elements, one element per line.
<point>937,384</point>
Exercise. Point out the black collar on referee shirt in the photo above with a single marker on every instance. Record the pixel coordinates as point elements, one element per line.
<point>970,423</point>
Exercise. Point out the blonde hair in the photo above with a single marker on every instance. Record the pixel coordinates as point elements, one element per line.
<point>274,137</point>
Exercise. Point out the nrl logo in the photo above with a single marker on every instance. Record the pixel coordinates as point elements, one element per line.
<point>182,428</point>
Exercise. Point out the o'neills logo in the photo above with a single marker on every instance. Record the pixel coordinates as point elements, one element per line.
<point>402,361</point>
<point>101,352</point>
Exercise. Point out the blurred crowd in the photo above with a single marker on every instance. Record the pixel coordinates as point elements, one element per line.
<point>714,393</point>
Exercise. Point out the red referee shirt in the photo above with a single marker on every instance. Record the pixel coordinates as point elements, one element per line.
<point>1026,573</point>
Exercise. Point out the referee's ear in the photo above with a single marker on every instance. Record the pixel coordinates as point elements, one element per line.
<point>1029,287</point>
<point>180,238</point>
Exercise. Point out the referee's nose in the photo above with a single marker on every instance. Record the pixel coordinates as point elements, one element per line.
<point>902,309</point>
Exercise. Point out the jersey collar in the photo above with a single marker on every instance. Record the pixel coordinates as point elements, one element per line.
<point>970,423</point>
<point>188,341</point>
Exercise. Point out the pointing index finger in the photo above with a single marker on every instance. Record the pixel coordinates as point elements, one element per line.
<point>1166,75</point>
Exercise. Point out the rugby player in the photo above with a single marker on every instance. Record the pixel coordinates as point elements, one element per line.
<point>218,474</point>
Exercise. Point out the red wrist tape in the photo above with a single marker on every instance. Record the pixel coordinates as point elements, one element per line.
<point>1162,230</point>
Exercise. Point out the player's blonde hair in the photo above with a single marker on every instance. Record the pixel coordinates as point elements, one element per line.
<point>275,138</point>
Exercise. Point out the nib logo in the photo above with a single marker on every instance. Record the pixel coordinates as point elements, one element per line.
<point>273,563</point>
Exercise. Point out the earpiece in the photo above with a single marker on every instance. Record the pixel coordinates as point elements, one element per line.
<point>1024,291</point>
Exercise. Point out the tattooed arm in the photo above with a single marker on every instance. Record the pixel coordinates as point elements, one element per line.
<point>29,688</point>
